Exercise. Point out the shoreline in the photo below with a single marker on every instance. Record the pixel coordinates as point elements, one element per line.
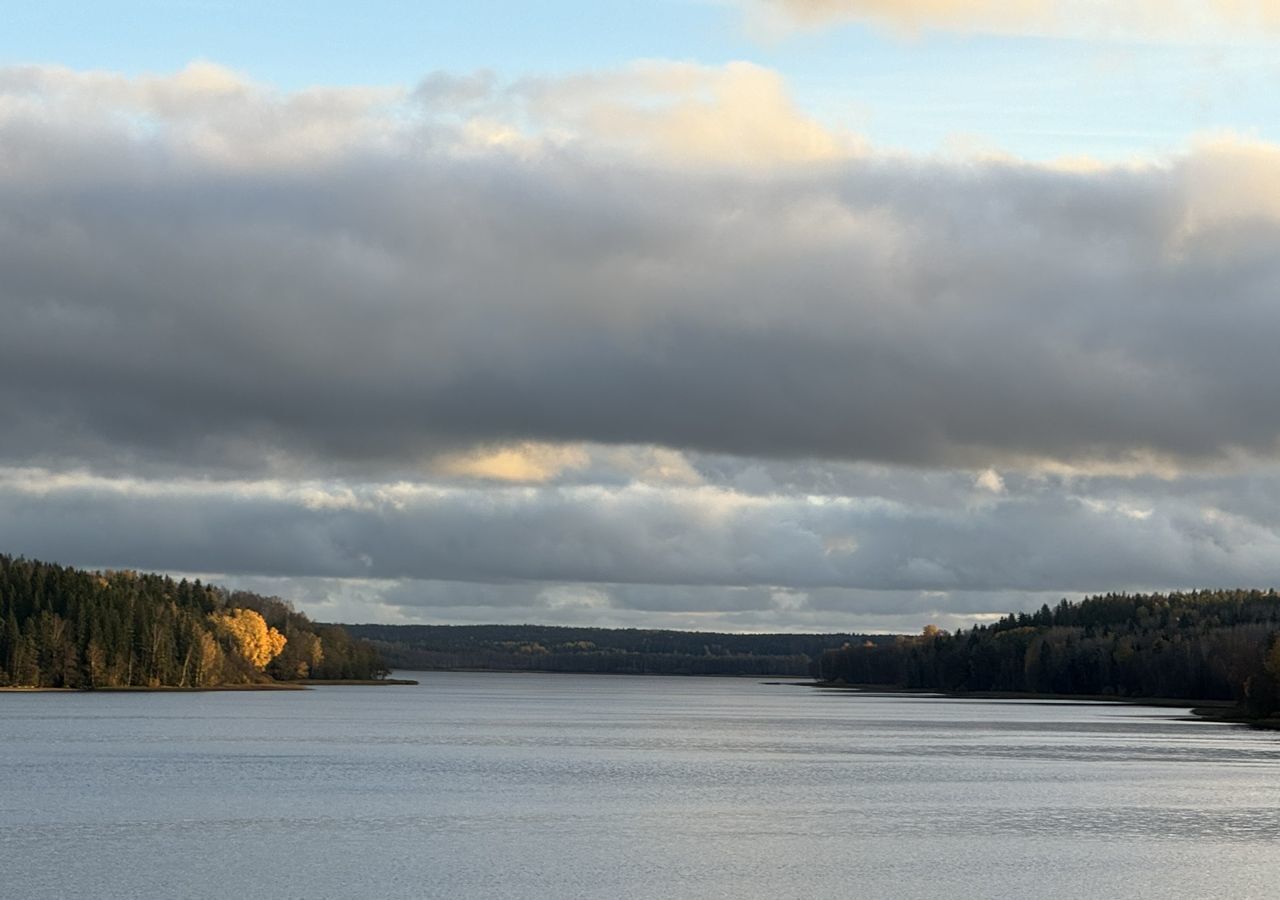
<point>177,689</point>
<point>1216,711</point>
<point>784,679</point>
<point>1211,711</point>
<point>351,682</point>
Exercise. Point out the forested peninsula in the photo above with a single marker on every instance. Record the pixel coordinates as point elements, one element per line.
<point>68,628</point>
<point>1203,645</point>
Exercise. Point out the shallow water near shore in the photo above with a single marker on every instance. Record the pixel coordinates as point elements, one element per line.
<point>482,785</point>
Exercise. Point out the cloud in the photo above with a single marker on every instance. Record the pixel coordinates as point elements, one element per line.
<point>399,299</point>
<point>628,606</point>
<point>913,14</point>
<point>989,480</point>
<point>1232,186</point>
<point>1035,538</point>
<point>654,465</point>
<point>526,461</point>
<point>1160,18</point>
<point>54,119</point>
<point>737,114</point>
<point>612,346</point>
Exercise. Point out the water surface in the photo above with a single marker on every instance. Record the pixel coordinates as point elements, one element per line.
<point>560,786</point>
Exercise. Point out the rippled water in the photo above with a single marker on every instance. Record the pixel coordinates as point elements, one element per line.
<point>556,786</point>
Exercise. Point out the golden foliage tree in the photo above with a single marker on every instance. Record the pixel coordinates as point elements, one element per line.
<point>249,632</point>
<point>208,660</point>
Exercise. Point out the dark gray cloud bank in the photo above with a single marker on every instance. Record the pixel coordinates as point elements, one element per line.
<point>210,322</point>
<point>372,314</point>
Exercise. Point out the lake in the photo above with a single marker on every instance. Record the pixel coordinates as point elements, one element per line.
<point>487,785</point>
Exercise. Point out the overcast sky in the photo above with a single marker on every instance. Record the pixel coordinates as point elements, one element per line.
<point>758,315</point>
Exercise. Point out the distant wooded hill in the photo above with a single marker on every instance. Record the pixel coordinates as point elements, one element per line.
<point>547,648</point>
<point>1202,645</point>
<point>65,627</point>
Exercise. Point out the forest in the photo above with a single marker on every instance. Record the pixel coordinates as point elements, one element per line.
<point>631,651</point>
<point>62,627</point>
<point>1200,645</point>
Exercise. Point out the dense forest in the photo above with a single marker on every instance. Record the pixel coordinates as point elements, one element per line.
<point>1203,645</point>
<point>64,627</point>
<point>546,648</point>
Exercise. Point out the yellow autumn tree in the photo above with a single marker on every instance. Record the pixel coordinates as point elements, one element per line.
<point>208,660</point>
<point>249,632</point>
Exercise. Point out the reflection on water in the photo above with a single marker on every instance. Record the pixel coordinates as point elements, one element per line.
<point>553,786</point>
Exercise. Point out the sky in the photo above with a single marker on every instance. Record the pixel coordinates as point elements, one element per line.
<point>747,315</point>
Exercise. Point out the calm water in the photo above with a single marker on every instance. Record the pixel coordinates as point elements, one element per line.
<point>530,786</point>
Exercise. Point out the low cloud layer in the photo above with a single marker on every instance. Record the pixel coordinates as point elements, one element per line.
<point>652,547</point>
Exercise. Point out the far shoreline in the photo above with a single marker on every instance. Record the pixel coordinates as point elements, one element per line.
<point>1223,712</point>
<point>177,689</point>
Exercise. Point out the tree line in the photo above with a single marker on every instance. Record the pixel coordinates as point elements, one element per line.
<point>630,651</point>
<point>1199,645</point>
<point>70,628</point>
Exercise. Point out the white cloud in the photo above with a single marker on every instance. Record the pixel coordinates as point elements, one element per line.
<point>203,114</point>
<point>1168,19</point>
<point>736,114</point>
<point>989,480</point>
